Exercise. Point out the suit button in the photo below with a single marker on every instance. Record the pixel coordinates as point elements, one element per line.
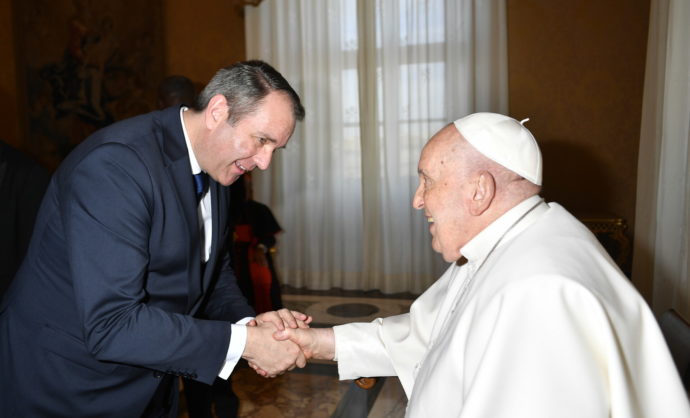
<point>157,374</point>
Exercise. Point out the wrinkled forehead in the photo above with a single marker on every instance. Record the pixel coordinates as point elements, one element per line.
<point>442,149</point>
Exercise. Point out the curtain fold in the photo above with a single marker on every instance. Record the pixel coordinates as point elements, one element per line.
<point>377,78</point>
<point>662,220</point>
<point>371,152</point>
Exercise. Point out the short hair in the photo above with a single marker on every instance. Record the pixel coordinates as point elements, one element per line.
<point>244,85</point>
<point>175,90</point>
<point>507,181</point>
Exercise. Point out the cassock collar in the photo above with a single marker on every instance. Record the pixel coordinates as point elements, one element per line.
<point>502,230</point>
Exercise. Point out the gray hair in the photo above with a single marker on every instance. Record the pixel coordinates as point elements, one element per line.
<point>244,85</point>
<point>508,183</point>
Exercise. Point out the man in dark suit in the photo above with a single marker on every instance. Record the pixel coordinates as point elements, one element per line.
<point>105,311</point>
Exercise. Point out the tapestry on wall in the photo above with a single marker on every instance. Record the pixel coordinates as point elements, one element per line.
<point>86,64</point>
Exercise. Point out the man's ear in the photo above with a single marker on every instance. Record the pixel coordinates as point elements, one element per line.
<point>216,112</point>
<point>483,193</point>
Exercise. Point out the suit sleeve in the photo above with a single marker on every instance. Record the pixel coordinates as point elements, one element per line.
<point>107,208</point>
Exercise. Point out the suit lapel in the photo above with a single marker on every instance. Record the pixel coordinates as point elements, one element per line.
<point>182,177</point>
<point>217,219</point>
<point>180,171</point>
<point>215,239</point>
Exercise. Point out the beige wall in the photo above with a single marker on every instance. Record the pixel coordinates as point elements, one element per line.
<point>201,39</point>
<point>576,68</point>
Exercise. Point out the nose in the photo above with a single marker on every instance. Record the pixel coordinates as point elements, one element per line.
<point>417,199</point>
<point>263,158</point>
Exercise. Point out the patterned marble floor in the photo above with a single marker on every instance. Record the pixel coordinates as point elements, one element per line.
<point>315,391</point>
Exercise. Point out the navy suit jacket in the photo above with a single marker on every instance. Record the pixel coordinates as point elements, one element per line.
<point>109,296</point>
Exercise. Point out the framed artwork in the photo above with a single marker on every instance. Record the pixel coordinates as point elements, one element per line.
<point>85,65</point>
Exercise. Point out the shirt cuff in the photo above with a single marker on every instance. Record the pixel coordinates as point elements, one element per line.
<point>238,339</point>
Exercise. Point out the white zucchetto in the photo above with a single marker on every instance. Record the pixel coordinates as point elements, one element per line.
<point>504,140</point>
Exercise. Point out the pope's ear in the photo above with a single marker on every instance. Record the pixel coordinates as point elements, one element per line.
<point>216,111</point>
<point>483,193</point>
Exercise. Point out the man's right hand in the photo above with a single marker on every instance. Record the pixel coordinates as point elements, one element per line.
<point>269,356</point>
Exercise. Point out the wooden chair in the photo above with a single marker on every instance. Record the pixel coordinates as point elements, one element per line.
<point>611,234</point>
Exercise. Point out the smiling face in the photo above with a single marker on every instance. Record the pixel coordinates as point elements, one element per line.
<point>228,151</point>
<point>442,193</point>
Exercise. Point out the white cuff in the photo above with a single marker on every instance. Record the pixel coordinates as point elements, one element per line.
<point>238,339</point>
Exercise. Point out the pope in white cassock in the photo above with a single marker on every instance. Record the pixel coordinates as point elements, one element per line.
<point>531,319</point>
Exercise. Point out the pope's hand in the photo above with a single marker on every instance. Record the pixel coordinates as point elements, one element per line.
<point>318,343</point>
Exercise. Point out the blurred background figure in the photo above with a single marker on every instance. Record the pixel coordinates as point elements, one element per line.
<point>254,244</point>
<point>22,185</point>
<point>176,90</point>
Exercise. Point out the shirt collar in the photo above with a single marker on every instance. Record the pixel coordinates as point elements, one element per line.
<point>196,169</point>
<point>502,229</point>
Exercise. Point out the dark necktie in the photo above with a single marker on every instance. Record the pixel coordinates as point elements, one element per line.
<point>200,185</point>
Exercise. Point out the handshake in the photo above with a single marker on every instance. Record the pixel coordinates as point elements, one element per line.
<point>282,340</point>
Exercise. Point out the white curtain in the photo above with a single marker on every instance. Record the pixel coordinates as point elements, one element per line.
<point>377,78</point>
<point>661,253</point>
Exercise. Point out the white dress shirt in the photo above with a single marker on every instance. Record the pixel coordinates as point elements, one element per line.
<point>238,338</point>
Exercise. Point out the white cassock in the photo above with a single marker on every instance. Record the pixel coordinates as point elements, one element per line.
<point>538,323</point>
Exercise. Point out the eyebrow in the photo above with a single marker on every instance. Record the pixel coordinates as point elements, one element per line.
<point>268,137</point>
